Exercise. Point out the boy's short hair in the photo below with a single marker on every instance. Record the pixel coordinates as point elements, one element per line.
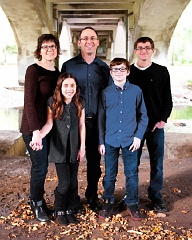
<point>144,40</point>
<point>119,61</point>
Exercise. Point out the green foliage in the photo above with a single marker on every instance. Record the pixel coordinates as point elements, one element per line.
<point>189,83</point>
<point>11,49</point>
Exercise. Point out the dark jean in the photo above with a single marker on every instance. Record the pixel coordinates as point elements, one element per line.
<point>130,171</point>
<point>67,181</point>
<point>155,145</point>
<point>93,159</point>
<point>39,168</point>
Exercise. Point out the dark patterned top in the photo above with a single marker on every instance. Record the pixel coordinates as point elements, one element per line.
<point>39,86</point>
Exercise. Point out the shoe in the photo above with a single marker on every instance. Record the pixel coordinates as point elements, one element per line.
<point>106,210</point>
<point>71,217</point>
<point>78,209</point>
<point>134,212</point>
<point>49,211</point>
<point>38,211</point>
<point>94,204</point>
<point>122,206</point>
<point>61,218</point>
<point>159,205</point>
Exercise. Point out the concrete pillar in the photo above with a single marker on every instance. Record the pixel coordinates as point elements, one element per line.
<point>120,41</point>
<point>25,58</point>
<point>65,44</point>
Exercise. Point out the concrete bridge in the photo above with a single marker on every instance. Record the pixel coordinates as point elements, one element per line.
<point>119,24</point>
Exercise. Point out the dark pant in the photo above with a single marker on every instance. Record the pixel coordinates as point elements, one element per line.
<point>93,159</point>
<point>130,171</point>
<point>155,145</point>
<point>67,182</point>
<point>39,161</point>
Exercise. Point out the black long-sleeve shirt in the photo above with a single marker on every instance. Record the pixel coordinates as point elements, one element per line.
<point>40,84</point>
<point>155,84</point>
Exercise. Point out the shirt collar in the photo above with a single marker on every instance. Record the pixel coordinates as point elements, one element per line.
<point>126,85</point>
<point>81,60</point>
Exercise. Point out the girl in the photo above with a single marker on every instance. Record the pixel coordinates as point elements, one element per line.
<point>66,120</point>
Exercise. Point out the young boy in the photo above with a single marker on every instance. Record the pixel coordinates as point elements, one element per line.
<point>122,123</point>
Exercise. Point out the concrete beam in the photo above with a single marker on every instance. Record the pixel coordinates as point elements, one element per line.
<point>88,1</point>
<point>92,7</point>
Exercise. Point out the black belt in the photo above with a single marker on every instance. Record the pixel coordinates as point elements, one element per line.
<point>89,118</point>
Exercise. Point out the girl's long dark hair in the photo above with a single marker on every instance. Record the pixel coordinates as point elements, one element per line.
<point>57,105</point>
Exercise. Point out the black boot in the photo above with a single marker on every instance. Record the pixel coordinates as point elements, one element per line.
<point>60,215</point>
<point>49,211</point>
<point>71,217</point>
<point>61,218</point>
<point>38,211</point>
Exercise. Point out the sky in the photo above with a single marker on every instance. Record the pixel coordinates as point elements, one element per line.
<point>184,19</point>
<point>5,28</point>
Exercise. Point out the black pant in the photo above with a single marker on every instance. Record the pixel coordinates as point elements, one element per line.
<point>93,158</point>
<point>67,182</point>
<point>39,167</point>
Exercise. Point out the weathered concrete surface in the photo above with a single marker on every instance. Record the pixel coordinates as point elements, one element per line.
<point>11,143</point>
<point>177,145</point>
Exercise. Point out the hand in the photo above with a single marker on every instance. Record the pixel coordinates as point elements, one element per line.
<point>160,124</point>
<point>135,145</point>
<point>81,154</point>
<point>36,143</point>
<point>101,149</point>
<point>35,146</point>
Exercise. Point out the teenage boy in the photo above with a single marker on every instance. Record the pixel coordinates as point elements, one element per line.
<point>154,81</point>
<point>122,123</point>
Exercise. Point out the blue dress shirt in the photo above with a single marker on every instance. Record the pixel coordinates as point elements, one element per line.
<point>122,115</point>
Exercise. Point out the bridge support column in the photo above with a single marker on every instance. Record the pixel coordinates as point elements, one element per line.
<point>119,44</point>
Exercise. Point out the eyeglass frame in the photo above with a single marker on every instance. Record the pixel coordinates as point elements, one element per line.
<point>147,48</point>
<point>118,69</point>
<point>47,47</point>
<point>86,39</point>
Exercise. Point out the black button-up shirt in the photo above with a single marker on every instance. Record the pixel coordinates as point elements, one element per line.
<point>92,78</point>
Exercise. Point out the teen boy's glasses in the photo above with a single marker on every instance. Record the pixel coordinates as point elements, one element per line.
<point>118,69</point>
<point>46,47</point>
<point>143,48</point>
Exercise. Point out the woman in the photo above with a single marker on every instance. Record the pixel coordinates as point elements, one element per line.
<point>40,82</point>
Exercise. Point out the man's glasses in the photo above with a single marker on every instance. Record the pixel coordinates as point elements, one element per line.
<point>86,39</point>
<point>144,48</point>
<point>118,69</point>
<point>46,47</point>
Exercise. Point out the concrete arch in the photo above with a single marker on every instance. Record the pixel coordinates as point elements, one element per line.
<point>158,20</point>
<point>29,19</point>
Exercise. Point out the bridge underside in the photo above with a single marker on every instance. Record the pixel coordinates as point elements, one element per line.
<point>152,18</point>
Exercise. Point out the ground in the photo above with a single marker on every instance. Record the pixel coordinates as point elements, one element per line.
<point>16,220</point>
